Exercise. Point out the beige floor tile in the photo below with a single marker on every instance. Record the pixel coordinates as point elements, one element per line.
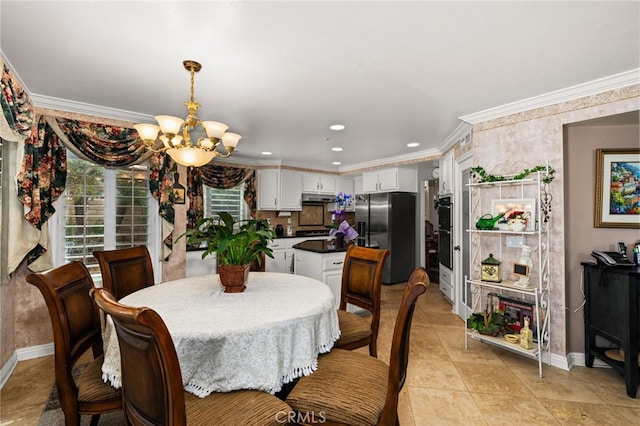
<point>491,379</point>
<point>608,384</point>
<point>437,407</point>
<point>556,384</point>
<point>579,413</point>
<point>452,339</point>
<point>405,412</point>
<point>426,345</point>
<point>509,410</point>
<point>434,374</point>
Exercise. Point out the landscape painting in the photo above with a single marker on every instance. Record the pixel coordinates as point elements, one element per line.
<point>617,188</point>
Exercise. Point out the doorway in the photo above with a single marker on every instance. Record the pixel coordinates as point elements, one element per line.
<point>462,238</point>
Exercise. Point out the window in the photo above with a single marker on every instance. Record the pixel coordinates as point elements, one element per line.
<point>225,200</point>
<point>104,209</point>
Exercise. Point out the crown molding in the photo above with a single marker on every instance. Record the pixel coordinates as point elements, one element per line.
<point>459,132</point>
<point>88,109</point>
<point>612,82</point>
<point>390,161</point>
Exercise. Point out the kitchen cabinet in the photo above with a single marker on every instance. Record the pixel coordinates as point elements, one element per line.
<point>445,282</point>
<point>390,180</point>
<point>325,267</point>
<point>445,180</point>
<point>525,283</point>
<point>345,184</point>
<point>612,311</point>
<point>279,190</point>
<point>317,183</point>
<point>279,261</point>
<point>196,265</point>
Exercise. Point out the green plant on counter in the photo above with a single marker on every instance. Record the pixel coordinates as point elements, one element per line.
<point>489,323</point>
<point>482,176</point>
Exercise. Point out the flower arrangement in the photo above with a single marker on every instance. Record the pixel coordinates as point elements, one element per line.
<point>340,225</point>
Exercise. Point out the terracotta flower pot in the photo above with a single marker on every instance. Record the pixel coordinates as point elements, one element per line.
<point>233,277</point>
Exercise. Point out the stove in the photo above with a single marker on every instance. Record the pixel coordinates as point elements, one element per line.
<point>316,233</point>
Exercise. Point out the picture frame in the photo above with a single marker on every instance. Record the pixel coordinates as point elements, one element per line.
<point>521,270</point>
<point>178,195</point>
<point>520,204</point>
<point>617,193</point>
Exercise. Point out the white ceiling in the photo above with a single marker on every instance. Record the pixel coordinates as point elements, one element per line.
<point>280,73</point>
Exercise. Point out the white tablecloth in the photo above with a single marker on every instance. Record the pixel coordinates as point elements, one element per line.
<point>260,339</point>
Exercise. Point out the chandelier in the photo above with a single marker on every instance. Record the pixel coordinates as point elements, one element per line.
<point>179,146</point>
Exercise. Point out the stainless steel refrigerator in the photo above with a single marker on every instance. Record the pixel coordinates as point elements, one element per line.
<point>388,221</point>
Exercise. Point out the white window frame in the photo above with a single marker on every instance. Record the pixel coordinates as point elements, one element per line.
<point>244,209</point>
<point>57,226</point>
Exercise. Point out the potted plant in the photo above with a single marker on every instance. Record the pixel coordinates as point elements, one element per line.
<point>237,244</point>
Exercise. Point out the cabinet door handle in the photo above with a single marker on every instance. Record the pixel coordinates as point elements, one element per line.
<point>275,201</point>
<point>338,263</point>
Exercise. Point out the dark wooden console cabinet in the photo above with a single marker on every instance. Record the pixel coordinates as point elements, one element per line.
<point>612,311</point>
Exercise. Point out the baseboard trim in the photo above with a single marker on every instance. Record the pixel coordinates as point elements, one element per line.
<point>577,359</point>
<point>22,355</point>
<point>7,369</point>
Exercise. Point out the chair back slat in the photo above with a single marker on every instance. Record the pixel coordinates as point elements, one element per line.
<point>125,271</point>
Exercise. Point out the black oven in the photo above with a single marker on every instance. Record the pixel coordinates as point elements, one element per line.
<point>445,253</point>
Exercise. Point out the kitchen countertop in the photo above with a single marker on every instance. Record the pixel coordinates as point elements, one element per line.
<point>320,246</point>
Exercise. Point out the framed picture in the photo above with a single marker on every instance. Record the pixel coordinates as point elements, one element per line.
<point>511,207</point>
<point>521,270</point>
<point>178,195</point>
<point>617,202</point>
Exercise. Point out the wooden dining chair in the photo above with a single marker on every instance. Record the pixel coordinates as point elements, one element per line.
<point>76,329</point>
<point>352,388</point>
<point>152,388</point>
<point>125,270</point>
<point>361,286</point>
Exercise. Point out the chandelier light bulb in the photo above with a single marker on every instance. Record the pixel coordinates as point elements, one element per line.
<point>178,144</point>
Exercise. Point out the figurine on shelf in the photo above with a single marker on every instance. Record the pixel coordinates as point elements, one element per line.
<point>526,335</point>
<point>526,264</point>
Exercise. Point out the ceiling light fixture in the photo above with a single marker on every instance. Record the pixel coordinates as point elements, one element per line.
<point>266,153</point>
<point>180,148</point>
<point>413,144</point>
<point>336,149</point>
<point>337,127</point>
<point>336,163</point>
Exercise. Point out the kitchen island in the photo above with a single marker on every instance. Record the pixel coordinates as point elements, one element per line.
<point>322,260</point>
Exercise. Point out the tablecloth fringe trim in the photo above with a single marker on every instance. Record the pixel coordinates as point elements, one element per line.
<point>110,378</point>
<point>197,390</point>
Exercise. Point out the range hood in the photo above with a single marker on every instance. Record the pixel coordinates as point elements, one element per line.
<point>318,198</point>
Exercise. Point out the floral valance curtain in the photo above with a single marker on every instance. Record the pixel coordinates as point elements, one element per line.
<point>219,177</point>
<point>108,146</point>
<point>161,174</point>
<point>17,109</point>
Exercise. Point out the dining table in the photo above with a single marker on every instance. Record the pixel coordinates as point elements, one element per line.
<point>262,338</point>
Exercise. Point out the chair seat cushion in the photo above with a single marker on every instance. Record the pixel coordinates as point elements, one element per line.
<point>91,387</point>
<point>245,407</point>
<point>337,389</point>
<point>353,327</point>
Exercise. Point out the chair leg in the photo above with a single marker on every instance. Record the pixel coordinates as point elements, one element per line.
<point>373,349</point>
<point>95,418</point>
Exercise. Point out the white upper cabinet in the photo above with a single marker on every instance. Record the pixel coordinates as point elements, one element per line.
<point>268,188</point>
<point>389,180</point>
<point>279,190</point>
<point>317,183</point>
<point>445,181</point>
<point>345,184</point>
<point>290,190</point>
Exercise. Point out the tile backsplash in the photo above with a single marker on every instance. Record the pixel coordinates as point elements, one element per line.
<point>311,218</point>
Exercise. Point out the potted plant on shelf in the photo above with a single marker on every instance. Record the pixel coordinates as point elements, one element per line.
<point>237,244</point>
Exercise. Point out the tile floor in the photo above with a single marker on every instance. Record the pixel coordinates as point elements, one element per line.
<point>446,384</point>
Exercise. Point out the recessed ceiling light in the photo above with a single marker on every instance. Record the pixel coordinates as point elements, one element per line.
<point>336,163</point>
<point>413,144</point>
<point>266,153</point>
<point>337,127</point>
<point>336,148</point>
